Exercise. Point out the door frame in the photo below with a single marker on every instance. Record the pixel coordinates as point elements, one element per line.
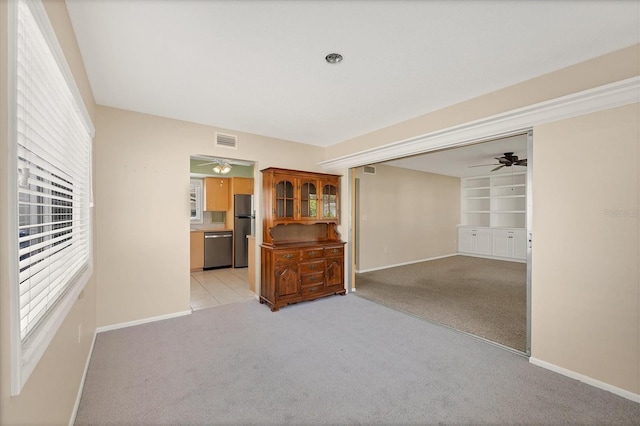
<point>353,222</point>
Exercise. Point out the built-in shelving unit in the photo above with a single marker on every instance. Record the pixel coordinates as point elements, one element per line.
<point>488,205</point>
<point>497,201</point>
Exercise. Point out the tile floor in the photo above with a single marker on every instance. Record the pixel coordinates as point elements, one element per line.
<point>217,287</point>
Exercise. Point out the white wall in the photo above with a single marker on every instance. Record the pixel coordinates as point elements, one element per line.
<point>406,216</point>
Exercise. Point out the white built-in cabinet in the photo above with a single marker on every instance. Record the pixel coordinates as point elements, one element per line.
<point>510,243</point>
<point>475,240</point>
<point>493,216</point>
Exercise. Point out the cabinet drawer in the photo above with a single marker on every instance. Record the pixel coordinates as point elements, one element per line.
<point>312,289</point>
<point>313,279</point>
<point>286,256</point>
<point>312,253</point>
<point>311,267</point>
<point>334,251</point>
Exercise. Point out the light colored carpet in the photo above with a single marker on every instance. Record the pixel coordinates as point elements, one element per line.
<point>337,360</point>
<point>484,297</point>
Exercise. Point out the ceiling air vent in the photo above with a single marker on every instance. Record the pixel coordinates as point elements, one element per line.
<point>226,140</point>
<point>371,170</point>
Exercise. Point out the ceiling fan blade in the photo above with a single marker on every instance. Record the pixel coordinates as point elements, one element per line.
<point>522,162</point>
<point>207,164</point>
<point>498,168</point>
<point>483,165</point>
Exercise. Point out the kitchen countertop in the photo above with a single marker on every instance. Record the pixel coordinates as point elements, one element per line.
<point>211,230</point>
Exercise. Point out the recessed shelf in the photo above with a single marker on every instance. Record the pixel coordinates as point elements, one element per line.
<point>496,201</point>
<point>509,186</point>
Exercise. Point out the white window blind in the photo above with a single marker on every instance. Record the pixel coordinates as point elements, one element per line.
<point>53,147</point>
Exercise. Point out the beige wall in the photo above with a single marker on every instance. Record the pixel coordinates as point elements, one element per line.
<point>142,188</point>
<point>50,393</point>
<point>585,266</point>
<point>586,295</point>
<point>585,302</point>
<point>406,216</point>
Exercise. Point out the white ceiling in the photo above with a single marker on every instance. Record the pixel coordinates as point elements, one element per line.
<point>258,66</point>
<point>457,161</point>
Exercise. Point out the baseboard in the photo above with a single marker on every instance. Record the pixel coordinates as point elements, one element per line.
<point>81,388</point>
<point>483,256</point>
<point>586,379</point>
<point>404,263</point>
<point>142,321</point>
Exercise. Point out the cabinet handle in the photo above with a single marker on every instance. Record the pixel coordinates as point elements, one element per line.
<point>335,251</point>
<point>313,253</point>
<point>288,256</point>
<point>314,289</point>
<point>314,266</point>
<point>313,278</point>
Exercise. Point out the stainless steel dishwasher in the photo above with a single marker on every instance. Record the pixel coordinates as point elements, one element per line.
<point>218,249</point>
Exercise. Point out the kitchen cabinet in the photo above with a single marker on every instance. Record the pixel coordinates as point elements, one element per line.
<point>197,250</point>
<point>302,254</point>
<point>242,185</point>
<point>216,194</point>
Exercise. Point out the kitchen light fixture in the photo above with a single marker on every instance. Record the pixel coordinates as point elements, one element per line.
<point>222,167</point>
<point>333,58</point>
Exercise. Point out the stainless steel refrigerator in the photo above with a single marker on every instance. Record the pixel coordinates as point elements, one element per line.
<point>242,226</point>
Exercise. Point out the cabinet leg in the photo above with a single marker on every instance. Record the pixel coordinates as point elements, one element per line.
<point>275,308</point>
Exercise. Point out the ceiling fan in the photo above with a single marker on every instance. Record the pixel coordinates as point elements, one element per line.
<point>221,166</point>
<point>507,160</point>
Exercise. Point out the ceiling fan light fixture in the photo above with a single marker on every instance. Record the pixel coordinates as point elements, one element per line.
<point>222,167</point>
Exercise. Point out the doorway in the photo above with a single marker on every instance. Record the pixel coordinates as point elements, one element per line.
<point>498,209</point>
<point>221,200</point>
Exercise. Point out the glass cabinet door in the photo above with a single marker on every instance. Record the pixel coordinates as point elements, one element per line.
<point>308,200</point>
<point>329,202</point>
<point>284,199</point>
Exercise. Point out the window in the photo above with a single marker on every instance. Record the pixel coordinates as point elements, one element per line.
<point>51,144</point>
<point>195,200</point>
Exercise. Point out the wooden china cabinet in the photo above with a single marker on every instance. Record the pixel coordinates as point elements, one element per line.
<point>302,254</point>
